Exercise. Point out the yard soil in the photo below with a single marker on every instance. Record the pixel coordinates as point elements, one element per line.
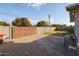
<point>29,39</point>
<point>36,45</point>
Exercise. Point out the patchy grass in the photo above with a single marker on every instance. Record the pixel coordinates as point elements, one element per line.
<point>59,33</point>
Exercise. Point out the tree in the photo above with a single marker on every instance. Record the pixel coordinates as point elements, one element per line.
<point>2,23</point>
<point>21,22</point>
<point>6,24</point>
<point>58,25</point>
<point>42,24</point>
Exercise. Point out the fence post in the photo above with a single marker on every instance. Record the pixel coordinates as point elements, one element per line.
<point>11,32</point>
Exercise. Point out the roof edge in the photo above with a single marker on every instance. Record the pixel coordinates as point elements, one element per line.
<point>72,6</point>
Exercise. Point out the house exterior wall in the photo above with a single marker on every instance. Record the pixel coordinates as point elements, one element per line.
<point>77,25</point>
<point>77,28</point>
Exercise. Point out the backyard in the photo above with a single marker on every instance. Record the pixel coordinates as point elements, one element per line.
<point>32,32</point>
<point>37,45</point>
<point>46,44</point>
<point>59,33</point>
<point>62,31</point>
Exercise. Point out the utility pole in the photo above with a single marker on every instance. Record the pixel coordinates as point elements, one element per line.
<point>49,16</point>
<point>49,19</point>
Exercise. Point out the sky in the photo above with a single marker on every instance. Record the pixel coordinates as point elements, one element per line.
<point>35,12</point>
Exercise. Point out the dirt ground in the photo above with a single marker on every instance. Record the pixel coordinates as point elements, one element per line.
<point>36,45</point>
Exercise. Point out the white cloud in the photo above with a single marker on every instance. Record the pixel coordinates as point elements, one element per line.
<point>36,5</point>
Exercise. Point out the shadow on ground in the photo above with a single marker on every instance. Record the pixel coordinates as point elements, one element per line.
<point>46,46</point>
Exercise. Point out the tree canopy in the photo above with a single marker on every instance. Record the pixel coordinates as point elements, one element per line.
<point>21,22</point>
<point>42,24</point>
<point>58,25</point>
<point>2,23</point>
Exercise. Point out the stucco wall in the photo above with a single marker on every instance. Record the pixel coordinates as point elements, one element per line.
<point>6,30</point>
<point>45,29</point>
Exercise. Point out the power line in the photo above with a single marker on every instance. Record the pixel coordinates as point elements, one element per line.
<point>8,13</point>
<point>4,13</point>
<point>13,8</point>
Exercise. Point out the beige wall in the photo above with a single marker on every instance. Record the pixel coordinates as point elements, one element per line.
<point>6,30</point>
<point>45,29</point>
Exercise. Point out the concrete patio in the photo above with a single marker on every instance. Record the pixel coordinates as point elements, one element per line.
<point>36,45</point>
